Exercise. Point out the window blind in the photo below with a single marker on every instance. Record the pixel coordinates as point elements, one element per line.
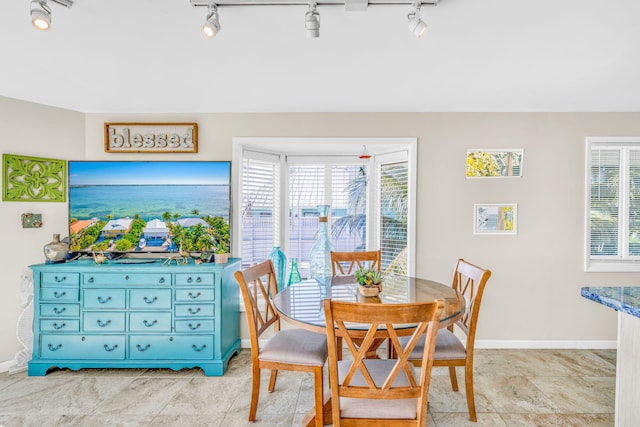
<point>260,215</point>
<point>605,179</point>
<point>393,216</point>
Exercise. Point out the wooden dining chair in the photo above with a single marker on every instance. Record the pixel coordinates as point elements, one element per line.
<point>289,349</point>
<point>346,263</point>
<point>470,280</point>
<point>367,392</point>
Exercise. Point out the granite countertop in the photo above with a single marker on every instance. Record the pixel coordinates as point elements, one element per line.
<point>621,298</point>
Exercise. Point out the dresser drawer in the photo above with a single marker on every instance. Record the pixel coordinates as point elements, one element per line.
<point>150,321</point>
<point>171,347</point>
<point>82,346</point>
<point>104,298</point>
<point>194,279</point>
<point>126,279</point>
<point>60,278</point>
<point>103,321</point>
<point>60,310</point>
<point>59,294</point>
<point>195,325</point>
<point>150,298</point>
<point>60,325</point>
<point>194,310</point>
<point>194,294</point>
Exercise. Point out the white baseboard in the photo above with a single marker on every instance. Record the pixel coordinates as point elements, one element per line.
<point>546,344</point>
<point>480,344</point>
<point>5,366</point>
<point>528,344</point>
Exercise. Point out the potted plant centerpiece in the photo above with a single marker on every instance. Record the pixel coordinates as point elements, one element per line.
<point>221,253</point>
<point>369,281</point>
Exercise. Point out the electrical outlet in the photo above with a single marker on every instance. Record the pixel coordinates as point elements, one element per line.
<point>31,220</point>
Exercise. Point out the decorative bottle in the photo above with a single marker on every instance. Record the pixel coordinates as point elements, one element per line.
<point>294,275</point>
<point>279,260</point>
<point>55,251</point>
<point>320,256</point>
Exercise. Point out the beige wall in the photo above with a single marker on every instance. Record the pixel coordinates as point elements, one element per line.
<point>533,297</point>
<point>31,130</point>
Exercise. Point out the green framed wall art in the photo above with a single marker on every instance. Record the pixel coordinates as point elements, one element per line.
<point>33,179</point>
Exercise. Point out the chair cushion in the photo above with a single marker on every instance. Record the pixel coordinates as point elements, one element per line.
<point>376,408</point>
<point>448,346</point>
<point>296,346</point>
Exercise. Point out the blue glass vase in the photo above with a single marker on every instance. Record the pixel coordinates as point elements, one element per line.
<point>279,260</point>
<point>294,275</point>
<point>320,256</point>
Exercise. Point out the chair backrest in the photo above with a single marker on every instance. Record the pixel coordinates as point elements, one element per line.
<point>345,263</point>
<point>360,325</point>
<point>470,280</point>
<point>259,280</point>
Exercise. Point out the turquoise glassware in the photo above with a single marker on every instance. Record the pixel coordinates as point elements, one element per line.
<point>294,275</point>
<point>320,256</point>
<point>279,260</point>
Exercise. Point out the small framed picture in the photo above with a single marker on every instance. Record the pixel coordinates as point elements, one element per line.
<point>494,163</point>
<point>495,218</point>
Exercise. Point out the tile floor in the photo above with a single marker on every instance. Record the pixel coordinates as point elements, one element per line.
<point>513,388</point>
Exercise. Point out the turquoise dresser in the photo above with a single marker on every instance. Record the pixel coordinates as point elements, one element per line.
<point>135,314</point>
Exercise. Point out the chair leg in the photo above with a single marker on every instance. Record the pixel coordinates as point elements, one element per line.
<point>468,381</point>
<point>255,392</point>
<point>454,378</point>
<point>318,395</point>
<point>272,380</point>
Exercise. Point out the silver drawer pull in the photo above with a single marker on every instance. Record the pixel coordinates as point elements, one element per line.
<point>90,279</point>
<point>195,347</point>
<point>56,326</point>
<point>150,301</point>
<point>104,300</point>
<point>52,348</point>
<point>141,348</point>
<point>103,324</point>
<point>161,280</point>
<point>199,279</point>
<point>59,295</point>
<point>57,310</point>
<point>149,324</point>
<point>192,311</point>
<point>60,279</point>
<point>107,348</point>
<point>192,296</point>
<point>193,328</point>
<point>190,280</point>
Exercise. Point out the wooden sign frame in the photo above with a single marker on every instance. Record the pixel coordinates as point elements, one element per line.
<point>151,137</point>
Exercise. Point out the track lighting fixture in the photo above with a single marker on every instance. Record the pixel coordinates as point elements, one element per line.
<point>416,25</point>
<point>312,20</point>
<point>212,26</point>
<point>41,12</point>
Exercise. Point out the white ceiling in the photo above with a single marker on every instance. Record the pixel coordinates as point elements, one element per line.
<point>477,55</point>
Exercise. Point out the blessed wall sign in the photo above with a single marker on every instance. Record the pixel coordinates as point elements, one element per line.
<point>151,137</point>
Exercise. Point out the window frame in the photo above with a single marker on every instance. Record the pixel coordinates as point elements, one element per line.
<point>621,262</point>
<point>304,146</point>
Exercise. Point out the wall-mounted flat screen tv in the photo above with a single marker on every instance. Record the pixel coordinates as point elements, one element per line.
<point>145,207</point>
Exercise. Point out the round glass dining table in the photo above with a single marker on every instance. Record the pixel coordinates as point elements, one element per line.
<point>301,303</point>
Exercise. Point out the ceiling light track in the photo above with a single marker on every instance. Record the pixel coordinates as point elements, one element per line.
<point>222,3</point>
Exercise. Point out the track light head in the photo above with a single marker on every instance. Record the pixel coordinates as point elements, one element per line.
<point>312,20</point>
<point>416,25</point>
<point>40,15</point>
<point>211,28</point>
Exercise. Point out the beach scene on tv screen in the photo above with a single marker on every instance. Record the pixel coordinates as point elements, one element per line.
<point>148,206</point>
